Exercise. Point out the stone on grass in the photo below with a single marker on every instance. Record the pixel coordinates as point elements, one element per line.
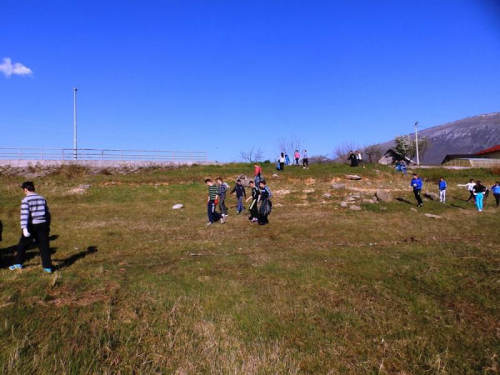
<point>244,180</point>
<point>81,189</point>
<point>383,196</point>
<point>349,199</point>
<point>338,186</point>
<point>177,206</point>
<point>343,205</point>
<point>353,177</point>
<point>383,208</point>
<point>371,201</point>
<point>327,195</point>
<point>433,216</point>
<point>432,196</point>
<point>413,209</point>
<point>275,175</point>
<point>355,208</point>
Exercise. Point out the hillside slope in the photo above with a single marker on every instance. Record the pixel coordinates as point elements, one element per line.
<point>464,136</point>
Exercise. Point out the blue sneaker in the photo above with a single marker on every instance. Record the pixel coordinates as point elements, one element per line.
<point>16,267</point>
<point>47,270</point>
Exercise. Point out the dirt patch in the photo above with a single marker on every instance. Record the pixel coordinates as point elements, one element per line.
<point>64,297</point>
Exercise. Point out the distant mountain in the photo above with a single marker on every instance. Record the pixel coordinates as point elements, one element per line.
<point>466,136</point>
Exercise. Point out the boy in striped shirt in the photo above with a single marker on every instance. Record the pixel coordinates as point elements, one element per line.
<point>35,224</point>
<point>213,195</point>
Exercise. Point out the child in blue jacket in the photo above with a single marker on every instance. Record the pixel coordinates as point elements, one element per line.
<point>442,190</point>
<point>495,189</point>
<point>417,184</point>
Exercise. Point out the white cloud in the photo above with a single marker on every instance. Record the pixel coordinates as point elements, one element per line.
<point>8,69</point>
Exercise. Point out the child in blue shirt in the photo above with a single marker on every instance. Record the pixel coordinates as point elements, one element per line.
<point>495,189</point>
<point>442,190</point>
<point>417,184</point>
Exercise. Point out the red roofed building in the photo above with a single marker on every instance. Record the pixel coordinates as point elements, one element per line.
<point>490,153</point>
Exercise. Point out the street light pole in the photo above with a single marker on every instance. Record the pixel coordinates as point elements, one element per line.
<point>75,134</point>
<point>416,141</point>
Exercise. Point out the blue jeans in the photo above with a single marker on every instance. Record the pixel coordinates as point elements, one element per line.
<point>211,211</point>
<point>479,201</point>
<point>239,206</point>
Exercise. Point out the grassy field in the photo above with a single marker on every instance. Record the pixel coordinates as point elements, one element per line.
<point>323,290</point>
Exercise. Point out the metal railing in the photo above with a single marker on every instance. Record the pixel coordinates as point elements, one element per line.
<point>90,154</point>
<point>473,162</point>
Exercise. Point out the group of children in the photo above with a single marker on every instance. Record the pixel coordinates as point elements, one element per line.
<point>260,198</point>
<point>478,192</point>
<point>356,159</point>
<point>284,159</point>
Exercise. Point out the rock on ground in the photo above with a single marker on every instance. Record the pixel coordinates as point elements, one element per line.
<point>327,195</point>
<point>177,206</point>
<point>81,189</point>
<point>432,196</point>
<point>338,186</point>
<point>413,209</point>
<point>343,205</point>
<point>275,175</point>
<point>433,216</point>
<point>383,196</point>
<point>244,180</point>
<point>353,177</point>
<point>355,208</point>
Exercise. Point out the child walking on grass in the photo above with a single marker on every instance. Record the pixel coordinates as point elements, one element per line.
<point>479,190</point>
<point>417,184</point>
<point>239,189</point>
<point>266,204</point>
<point>35,224</point>
<point>221,191</point>
<point>442,190</point>
<point>495,189</point>
<point>213,215</point>
<point>470,188</point>
<point>254,210</point>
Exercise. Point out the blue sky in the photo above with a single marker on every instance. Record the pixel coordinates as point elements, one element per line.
<point>223,76</point>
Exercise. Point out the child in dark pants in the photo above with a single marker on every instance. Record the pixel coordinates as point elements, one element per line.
<point>495,189</point>
<point>35,224</point>
<point>213,215</point>
<point>254,211</point>
<point>265,205</point>
<point>417,184</point>
<point>239,189</point>
<point>221,191</point>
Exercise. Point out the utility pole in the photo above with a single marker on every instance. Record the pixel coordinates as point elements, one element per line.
<point>416,141</point>
<point>75,134</point>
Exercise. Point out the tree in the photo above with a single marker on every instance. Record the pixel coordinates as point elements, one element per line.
<point>252,156</point>
<point>343,150</point>
<point>373,153</point>
<point>406,146</point>
<point>423,147</point>
<point>288,146</point>
<point>403,145</point>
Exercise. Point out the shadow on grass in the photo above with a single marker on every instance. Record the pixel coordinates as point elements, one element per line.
<point>7,254</point>
<point>72,259</point>
<point>403,200</point>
